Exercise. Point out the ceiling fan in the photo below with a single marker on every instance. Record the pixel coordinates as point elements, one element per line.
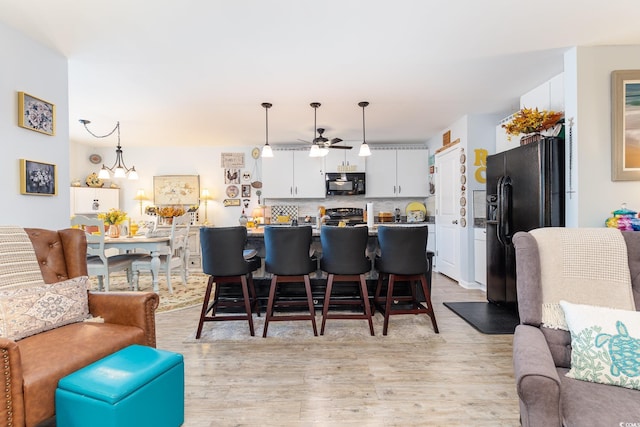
<point>321,141</point>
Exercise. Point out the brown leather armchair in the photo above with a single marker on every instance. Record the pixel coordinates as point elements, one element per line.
<point>32,366</point>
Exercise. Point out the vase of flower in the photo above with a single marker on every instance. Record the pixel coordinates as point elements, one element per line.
<point>114,230</point>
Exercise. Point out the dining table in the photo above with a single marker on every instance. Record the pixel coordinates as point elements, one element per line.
<point>156,246</point>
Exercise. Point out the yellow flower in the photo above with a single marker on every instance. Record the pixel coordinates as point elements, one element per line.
<point>529,120</point>
<point>114,216</point>
<point>170,211</point>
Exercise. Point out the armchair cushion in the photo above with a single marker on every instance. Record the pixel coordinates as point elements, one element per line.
<point>605,344</point>
<point>26,311</point>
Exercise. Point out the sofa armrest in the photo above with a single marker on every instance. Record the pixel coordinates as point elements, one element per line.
<point>127,308</point>
<point>537,380</point>
<point>12,404</point>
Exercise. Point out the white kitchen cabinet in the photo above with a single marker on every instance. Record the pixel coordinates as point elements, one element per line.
<point>401,172</point>
<point>339,160</point>
<point>89,200</point>
<point>480,255</point>
<point>293,174</point>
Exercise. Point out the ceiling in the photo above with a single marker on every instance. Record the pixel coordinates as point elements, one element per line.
<point>194,72</point>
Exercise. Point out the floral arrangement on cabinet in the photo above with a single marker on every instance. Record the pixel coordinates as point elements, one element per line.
<point>532,120</point>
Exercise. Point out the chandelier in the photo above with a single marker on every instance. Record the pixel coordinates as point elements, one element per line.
<point>119,168</point>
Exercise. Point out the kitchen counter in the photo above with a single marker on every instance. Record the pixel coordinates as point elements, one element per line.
<point>259,232</point>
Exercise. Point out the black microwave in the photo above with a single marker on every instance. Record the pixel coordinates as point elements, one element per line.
<point>345,184</point>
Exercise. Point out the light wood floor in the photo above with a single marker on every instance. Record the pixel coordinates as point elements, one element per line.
<point>464,380</point>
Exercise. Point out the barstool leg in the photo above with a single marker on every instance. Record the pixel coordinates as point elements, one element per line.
<point>254,296</point>
<point>312,311</point>
<point>376,296</point>
<point>247,303</point>
<point>269,313</point>
<point>327,299</point>
<point>365,301</point>
<point>427,298</point>
<point>205,305</point>
<point>387,306</point>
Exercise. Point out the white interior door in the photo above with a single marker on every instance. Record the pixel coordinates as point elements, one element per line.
<point>447,216</point>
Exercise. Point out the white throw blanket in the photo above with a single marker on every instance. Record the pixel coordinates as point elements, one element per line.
<point>582,266</point>
<point>18,264</point>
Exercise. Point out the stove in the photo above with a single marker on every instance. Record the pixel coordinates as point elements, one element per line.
<point>351,216</point>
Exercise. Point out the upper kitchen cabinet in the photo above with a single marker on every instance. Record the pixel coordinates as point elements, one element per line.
<point>90,200</point>
<point>398,172</point>
<point>341,160</point>
<point>293,174</point>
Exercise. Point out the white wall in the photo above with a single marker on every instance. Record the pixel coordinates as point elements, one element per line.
<point>41,72</point>
<point>150,162</point>
<point>589,102</point>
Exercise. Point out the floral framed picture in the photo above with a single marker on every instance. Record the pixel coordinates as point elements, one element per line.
<point>176,190</point>
<point>625,125</point>
<point>36,114</point>
<point>38,178</point>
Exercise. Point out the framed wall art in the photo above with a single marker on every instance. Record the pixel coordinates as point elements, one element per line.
<point>176,190</point>
<point>38,178</point>
<point>36,114</point>
<point>625,125</point>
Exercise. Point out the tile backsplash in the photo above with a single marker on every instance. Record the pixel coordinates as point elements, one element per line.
<point>310,206</point>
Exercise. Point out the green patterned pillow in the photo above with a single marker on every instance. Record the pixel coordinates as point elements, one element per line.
<point>605,344</point>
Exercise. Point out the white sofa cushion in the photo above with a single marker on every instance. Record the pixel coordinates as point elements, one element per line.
<point>605,344</point>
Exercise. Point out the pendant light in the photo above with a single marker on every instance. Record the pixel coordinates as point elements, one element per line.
<point>364,148</point>
<point>315,148</point>
<point>119,168</point>
<point>266,149</point>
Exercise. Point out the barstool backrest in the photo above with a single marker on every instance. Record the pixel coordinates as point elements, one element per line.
<point>343,250</point>
<point>288,250</point>
<point>222,250</point>
<point>403,250</point>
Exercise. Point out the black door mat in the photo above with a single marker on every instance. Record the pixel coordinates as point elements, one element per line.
<point>486,317</point>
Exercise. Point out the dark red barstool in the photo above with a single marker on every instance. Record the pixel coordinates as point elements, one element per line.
<point>223,258</point>
<point>288,260</point>
<point>403,258</point>
<point>344,259</point>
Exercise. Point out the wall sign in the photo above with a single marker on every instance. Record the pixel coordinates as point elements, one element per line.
<point>232,160</point>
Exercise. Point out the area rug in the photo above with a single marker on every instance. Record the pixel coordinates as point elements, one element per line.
<point>406,329</point>
<point>486,317</point>
<point>183,296</point>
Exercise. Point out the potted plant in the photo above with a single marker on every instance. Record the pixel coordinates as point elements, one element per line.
<point>113,219</point>
<point>531,122</point>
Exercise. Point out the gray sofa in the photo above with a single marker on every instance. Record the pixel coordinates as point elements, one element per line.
<point>542,357</point>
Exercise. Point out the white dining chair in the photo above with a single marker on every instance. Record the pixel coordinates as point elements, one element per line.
<point>98,263</point>
<point>176,256</point>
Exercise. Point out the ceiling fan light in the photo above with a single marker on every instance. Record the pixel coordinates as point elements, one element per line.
<point>324,151</point>
<point>104,173</point>
<point>315,151</point>
<point>364,150</point>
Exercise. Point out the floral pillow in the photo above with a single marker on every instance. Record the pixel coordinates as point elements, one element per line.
<point>28,311</point>
<point>605,344</point>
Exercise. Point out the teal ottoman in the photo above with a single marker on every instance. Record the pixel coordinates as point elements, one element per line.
<point>136,386</point>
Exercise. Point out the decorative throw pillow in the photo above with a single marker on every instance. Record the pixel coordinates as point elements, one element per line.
<point>28,311</point>
<point>605,344</point>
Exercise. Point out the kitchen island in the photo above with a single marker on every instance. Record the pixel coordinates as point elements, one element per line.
<point>255,240</point>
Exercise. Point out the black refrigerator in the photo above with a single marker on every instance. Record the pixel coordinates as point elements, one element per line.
<point>525,190</point>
